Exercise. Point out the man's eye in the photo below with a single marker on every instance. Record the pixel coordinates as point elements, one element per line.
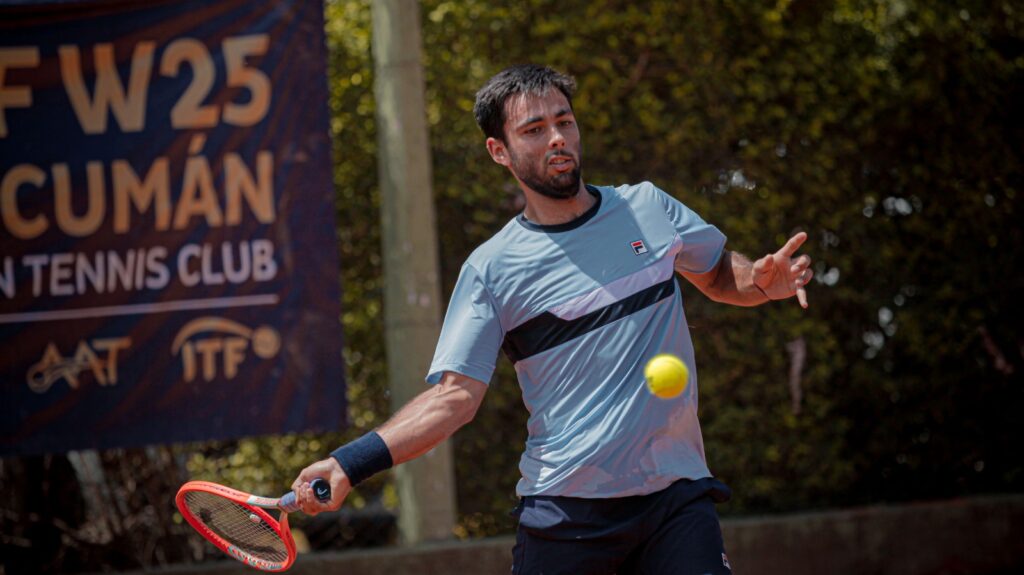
<point>533,130</point>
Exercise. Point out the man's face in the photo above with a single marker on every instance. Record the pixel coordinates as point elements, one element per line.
<point>542,144</point>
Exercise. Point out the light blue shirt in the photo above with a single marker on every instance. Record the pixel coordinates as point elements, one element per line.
<point>580,308</point>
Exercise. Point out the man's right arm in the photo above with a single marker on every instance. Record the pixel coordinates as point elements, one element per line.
<point>419,426</point>
<point>432,416</point>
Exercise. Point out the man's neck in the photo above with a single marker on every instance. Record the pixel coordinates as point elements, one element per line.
<point>546,211</point>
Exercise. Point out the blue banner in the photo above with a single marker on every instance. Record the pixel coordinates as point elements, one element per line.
<point>168,258</point>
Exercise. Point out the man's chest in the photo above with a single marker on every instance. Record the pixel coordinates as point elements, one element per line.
<point>578,271</point>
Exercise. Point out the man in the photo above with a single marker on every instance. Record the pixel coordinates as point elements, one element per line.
<point>579,291</point>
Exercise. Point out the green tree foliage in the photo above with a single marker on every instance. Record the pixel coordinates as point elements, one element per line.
<point>890,131</point>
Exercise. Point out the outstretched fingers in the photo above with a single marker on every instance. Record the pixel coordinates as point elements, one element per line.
<point>780,275</point>
<point>793,244</point>
<point>800,265</point>
<point>802,280</point>
<point>801,296</point>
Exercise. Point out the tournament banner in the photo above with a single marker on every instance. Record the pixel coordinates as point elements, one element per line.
<point>168,257</point>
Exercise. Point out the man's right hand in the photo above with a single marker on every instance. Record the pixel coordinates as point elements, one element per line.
<point>329,470</point>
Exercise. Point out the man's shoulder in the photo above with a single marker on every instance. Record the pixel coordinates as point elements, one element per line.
<point>644,190</point>
<point>496,245</point>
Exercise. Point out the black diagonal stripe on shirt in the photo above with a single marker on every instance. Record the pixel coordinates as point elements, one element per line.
<point>546,331</point>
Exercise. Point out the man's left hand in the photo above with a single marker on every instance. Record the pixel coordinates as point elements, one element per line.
<point>780,276</point>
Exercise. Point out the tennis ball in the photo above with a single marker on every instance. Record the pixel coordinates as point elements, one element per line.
<point>666,375</point>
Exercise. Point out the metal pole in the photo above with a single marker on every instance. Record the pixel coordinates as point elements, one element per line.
<point>412,306</point>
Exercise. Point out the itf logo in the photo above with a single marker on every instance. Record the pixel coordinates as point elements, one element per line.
<point>222,346</point>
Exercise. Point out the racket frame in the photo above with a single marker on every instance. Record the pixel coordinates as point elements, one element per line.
<point>256,505</point>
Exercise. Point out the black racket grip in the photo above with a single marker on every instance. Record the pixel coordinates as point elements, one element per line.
<point>321,489</point>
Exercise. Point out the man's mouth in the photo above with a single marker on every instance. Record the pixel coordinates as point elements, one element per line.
<point>561,163</point>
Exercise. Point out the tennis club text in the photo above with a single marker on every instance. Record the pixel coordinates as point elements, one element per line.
<point>112,271</point>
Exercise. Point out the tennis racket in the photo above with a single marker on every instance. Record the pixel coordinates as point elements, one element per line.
<point>239,525</point>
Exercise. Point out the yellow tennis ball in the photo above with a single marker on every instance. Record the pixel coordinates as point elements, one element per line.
<point>666,375</point>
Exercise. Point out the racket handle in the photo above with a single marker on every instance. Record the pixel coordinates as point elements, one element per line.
<point>321,489</point>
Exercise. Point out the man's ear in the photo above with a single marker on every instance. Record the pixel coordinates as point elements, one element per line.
<point>498,151</point>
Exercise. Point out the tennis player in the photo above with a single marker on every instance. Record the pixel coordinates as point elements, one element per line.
<point>579,292</point>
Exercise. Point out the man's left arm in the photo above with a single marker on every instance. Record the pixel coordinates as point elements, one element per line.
<point>738,281</point>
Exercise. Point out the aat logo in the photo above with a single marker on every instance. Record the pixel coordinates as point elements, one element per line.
<point>212,346</point>
<point>98,356</point>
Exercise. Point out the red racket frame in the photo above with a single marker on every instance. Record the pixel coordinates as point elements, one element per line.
<point>253,503</point>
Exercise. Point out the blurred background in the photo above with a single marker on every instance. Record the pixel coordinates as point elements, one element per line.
<point>891,131</point>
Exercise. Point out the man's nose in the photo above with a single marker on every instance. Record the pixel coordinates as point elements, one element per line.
<point>557,139</point>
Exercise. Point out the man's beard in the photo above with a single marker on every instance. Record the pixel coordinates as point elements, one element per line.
<point>561,186</point>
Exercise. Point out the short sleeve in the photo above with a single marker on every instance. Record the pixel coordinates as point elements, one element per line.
<point>703,243</point>
<point>471,335</point>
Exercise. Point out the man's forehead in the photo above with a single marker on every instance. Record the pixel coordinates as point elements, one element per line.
<point>526,105</point>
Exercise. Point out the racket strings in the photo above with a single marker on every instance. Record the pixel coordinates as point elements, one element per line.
<point>237,525</point>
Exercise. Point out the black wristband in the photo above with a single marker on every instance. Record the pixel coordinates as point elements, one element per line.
<point>363,457</point>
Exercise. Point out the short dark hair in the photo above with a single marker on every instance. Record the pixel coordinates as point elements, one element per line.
<point>489,108</point>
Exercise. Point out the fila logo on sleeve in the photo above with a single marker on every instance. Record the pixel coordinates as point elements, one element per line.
<point>638,247</point>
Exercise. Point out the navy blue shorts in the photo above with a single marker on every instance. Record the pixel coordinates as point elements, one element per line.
<point>674,531</point>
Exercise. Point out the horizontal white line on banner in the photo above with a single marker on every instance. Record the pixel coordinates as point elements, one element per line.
<point>141,308</point>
